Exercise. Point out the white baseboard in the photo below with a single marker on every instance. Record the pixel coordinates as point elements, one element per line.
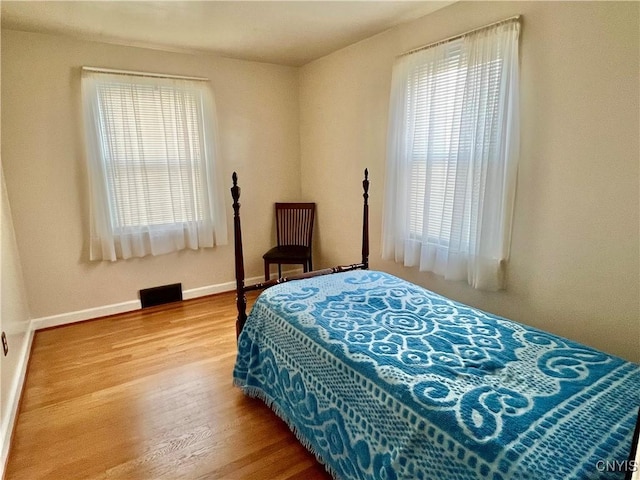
<point>13,400</point>
<point>81,315</point>
<point>105,310</point>
<point>208,290</point>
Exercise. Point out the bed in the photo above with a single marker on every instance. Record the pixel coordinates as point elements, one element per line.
<point>383,379</point>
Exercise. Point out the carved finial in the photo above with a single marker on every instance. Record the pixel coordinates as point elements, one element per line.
<point>235,192</point>
<point>365,183</point>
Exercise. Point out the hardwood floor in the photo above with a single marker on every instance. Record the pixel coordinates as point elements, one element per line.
<point>148,395</point>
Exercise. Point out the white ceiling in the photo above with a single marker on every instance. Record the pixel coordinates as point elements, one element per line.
<point>282,32</point>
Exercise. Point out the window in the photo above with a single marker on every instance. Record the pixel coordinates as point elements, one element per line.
<point>452,156</point>
<point>152,164</point>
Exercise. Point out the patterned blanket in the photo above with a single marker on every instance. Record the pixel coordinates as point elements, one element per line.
<point>382,379</point>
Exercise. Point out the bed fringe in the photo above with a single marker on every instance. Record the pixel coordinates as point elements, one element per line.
<point>256,392</point>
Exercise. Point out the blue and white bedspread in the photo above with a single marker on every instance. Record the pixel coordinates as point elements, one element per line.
<point>383,379</point>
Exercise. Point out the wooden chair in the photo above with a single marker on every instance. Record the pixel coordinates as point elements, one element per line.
<point>294,231</point>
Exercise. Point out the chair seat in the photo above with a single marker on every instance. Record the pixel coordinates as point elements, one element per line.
<point>288,253</point>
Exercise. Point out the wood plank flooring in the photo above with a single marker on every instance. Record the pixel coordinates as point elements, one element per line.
<point>148,395</point>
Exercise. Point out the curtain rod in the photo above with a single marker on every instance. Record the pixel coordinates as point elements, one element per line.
<point>142,74</point>
<point>460,35</point>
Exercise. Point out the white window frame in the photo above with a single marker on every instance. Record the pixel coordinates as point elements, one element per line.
<point>468,126</point>
<point>152,162</point>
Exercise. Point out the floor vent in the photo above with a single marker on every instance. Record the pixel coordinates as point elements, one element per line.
<point>150,297</point>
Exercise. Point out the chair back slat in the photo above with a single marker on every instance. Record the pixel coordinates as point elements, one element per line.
<point>294,223</point>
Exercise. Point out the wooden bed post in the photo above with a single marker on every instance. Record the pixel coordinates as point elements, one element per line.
<point>242,289</point>
<point>241,299</point>
<point>365,220</point>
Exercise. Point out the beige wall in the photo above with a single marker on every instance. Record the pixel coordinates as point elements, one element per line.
<point>14,321</point>
<point>575,257</point>
<point>44,164</point>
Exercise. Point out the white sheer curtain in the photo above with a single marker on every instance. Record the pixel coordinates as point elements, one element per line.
<point>452,154</point>
<point>152,163</point>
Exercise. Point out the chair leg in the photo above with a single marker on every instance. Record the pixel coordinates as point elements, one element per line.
<point>266,271</point>
<point>310,265</point>
<point>279,271</point>
<point>305,267</point>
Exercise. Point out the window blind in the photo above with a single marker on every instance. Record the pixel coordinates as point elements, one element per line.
<point>151,152</point>
<point>450,105</point>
